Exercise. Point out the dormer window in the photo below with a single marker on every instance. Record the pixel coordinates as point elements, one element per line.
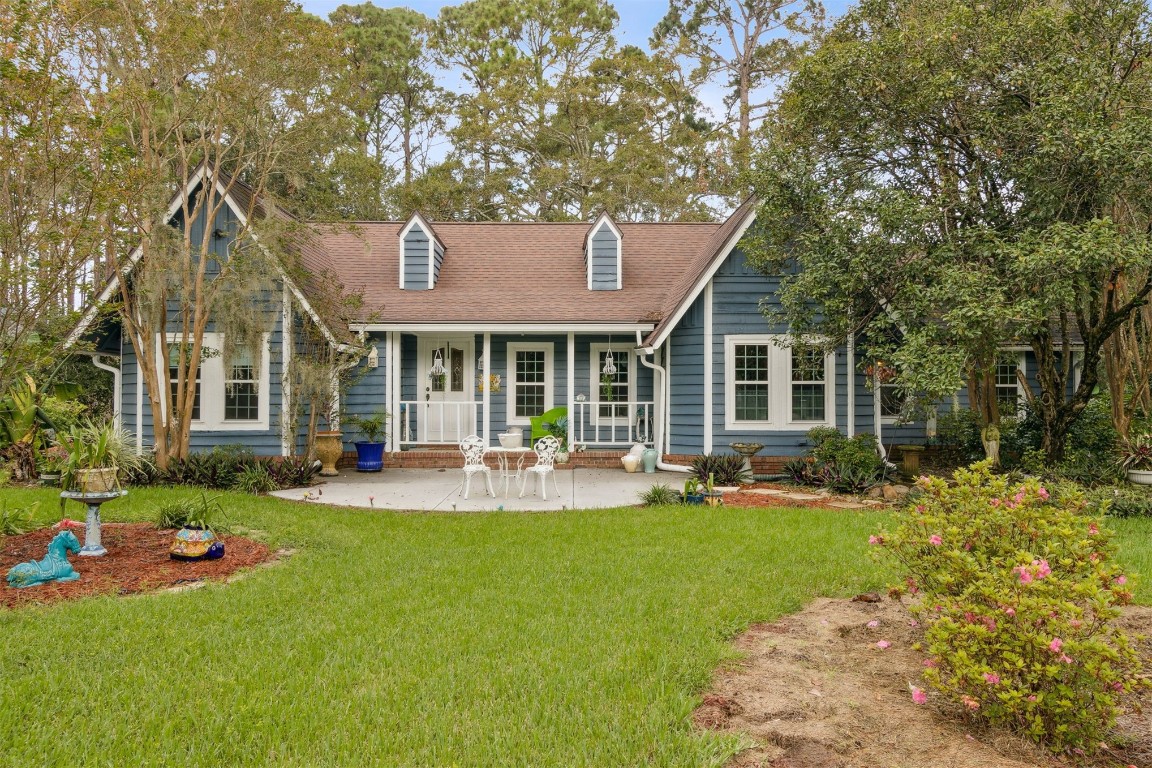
<point>421,255</point>
<point>603,255</point>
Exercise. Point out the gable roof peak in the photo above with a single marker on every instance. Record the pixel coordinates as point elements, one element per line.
<point>599,221</point>
<point>425,225</point>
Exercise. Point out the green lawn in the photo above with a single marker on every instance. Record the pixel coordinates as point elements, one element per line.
<point>568,639</point>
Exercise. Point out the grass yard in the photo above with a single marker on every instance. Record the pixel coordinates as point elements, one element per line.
<point>572,639</point>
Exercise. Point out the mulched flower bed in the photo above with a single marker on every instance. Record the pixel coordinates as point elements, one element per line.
<point>137,561</point>
<point>743,498</point>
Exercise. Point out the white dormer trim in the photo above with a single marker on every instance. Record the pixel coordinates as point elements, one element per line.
<point>433,240</point>
<point>597,225</point>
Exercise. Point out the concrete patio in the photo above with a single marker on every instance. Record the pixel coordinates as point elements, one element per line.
<point>440,490</point>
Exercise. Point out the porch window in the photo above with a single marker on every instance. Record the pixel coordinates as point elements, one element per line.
<point>242,390</point>
<point>531,378</point>
<point>891,403</point>
<point>808,384</point>
<point>615,391</point>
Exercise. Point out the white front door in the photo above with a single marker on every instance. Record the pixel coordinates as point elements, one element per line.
<point>448,413</point>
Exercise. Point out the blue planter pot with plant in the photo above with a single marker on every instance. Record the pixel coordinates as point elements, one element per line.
<point>370,451</point>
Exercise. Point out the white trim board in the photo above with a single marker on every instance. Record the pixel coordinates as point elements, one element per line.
<point>779,384</point>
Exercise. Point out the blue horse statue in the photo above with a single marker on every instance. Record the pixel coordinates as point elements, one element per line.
<point>55,567</point>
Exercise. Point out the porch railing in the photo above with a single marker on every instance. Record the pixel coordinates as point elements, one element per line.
<point>619,422</point>
<point>428,422</point>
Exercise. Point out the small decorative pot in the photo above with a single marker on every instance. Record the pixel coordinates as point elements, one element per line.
<point>630,462</point>
<point>649,458</point>
<point>329,449</point>
<point>96,480</point>
<point>692,498</point>
<point>562,457</point>
<point>714,499</point>
<point>1140,476</point>
<point>50,479</point>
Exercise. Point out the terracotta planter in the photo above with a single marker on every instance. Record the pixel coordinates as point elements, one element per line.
<point>329,449</point>
<point>96,480</point>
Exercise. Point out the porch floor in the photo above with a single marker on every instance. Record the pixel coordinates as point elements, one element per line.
<point>439,490</point>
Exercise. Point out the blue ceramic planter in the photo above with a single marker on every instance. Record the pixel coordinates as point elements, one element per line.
<point>369,457</point>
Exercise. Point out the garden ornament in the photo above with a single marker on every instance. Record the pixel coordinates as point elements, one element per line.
<point>54,567</point>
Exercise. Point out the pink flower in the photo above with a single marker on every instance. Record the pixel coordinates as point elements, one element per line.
<point>920,508</point>
<point>1093,529</point>
<point>918,696</point>
<point>873,624</point>
<point>970,702</point>
<point>931,663</point>
<point>875,540</point>
<point>1117,686</point>
<point>1055,645</point>
<point>1121,580</point>
<point>992,678</point>
<point>1024,574</point>
<point>1043,493</point>
<point>1010,611</point>
<point>913,623</point>
<point>1042,568</point>
<point>935,540</point>
<point>995,502</point>
<point>1032,697</point>
<point>883,644</point>
<point>1065,658</point>
<point>1019,497</point>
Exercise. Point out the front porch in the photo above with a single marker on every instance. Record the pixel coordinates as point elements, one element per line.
<point>441,386</point>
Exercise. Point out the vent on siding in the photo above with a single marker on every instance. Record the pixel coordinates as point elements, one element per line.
<point>421,255</point>
<point>603,255</point>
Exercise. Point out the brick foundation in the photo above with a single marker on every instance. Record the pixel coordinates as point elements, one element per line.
<point>450,458</point>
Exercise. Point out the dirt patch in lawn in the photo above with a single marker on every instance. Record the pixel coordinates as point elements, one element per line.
<point>814,690</point>
<point>137,561</point>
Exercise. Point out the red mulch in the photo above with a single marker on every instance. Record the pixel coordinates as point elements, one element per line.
<point>742,498</point>
<point>137,561</point>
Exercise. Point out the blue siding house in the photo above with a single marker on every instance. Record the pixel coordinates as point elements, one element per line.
<point>470,328</point>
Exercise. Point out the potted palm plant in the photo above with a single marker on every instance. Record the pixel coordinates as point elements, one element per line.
<point>97,454</point>
<point>1136,460</point>
<point>370,450</point>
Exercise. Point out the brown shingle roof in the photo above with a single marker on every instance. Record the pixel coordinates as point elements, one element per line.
<point>514,272</point>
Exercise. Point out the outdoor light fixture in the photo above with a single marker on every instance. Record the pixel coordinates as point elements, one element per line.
<point>373,357</point>
<point>437,368</point>
<point>480,364</point>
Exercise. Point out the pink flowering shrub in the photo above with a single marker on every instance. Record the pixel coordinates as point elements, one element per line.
<point>1018,591</point>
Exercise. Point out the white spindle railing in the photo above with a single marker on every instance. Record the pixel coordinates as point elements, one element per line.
<point>620,422</point>
<point>425,422</point>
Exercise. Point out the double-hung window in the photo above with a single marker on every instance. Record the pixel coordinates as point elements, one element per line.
<point>530,369</point>
<point>232,398</point>
<point>769,385</point>
<point>1008,394</point>
<point>174,377</point>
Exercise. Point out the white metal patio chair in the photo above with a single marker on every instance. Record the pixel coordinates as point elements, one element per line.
<point>546,449</point>
<point>473,449</point>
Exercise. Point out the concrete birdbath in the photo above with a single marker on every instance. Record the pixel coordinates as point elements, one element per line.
<point>747,450</point>
<point>92,546</point>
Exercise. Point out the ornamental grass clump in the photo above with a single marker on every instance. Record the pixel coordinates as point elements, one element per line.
<point>1017,593</point>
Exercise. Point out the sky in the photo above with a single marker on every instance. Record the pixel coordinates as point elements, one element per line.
<point>637,17</point>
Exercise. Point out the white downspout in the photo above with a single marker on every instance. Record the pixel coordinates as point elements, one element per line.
<point>851,362</point>
<point>117,385</point>
<point>660,384</point>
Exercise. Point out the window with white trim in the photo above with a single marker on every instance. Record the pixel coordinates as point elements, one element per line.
<point>530,375</point>
<point>236,400</point>
<point>615,391</point>
<point>892,399</point>
<point>809,384</point>
<point>770,386</point>
<point>1009,395</point>
<point>174,378</point>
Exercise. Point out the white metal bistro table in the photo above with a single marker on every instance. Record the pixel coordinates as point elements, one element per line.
<point>502,455</point>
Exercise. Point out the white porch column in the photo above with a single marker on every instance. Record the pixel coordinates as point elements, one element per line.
<point>572,388</point>
<point>708,368</point>
<point>393,373</point>
<point>486,378</point>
